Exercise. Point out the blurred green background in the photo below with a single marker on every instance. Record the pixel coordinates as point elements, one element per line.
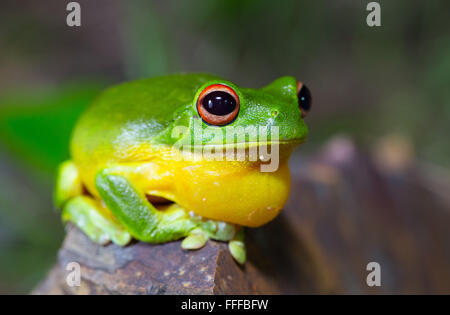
<point>366,83</point>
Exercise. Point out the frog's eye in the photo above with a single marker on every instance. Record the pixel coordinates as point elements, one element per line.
<point>304,98</point>
<point>218,104</point>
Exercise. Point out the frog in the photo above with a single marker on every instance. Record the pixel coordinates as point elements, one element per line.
<point>128,178</point>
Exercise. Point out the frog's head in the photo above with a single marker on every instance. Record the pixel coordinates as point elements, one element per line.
<point>223,113</point>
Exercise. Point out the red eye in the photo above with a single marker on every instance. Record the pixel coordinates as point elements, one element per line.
<point>218,104</point>
<point>304,98</point>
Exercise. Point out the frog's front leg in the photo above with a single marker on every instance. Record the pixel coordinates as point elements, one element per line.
<point>140,217</point>
<point>148,224</point>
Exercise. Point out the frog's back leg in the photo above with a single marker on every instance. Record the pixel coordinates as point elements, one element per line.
<point>84,211</point>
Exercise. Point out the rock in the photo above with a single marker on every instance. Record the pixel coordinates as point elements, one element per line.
<point>142,268</point>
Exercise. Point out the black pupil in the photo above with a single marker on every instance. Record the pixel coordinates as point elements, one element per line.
<point>304,98</point>
<point>219,103</point>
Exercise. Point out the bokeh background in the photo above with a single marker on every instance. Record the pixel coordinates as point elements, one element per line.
<point>367,83</point>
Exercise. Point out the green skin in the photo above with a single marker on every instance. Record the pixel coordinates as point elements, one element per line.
<point>145,112</point>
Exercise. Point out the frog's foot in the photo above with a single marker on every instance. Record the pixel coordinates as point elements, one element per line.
<point>205,230</point>
<point>95,221</point>
<point>220,231</point>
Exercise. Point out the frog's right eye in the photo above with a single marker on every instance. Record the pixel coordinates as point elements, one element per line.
<point>218,104</point>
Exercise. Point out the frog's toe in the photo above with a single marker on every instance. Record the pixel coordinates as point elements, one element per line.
<point>196,240</point>
<point>219,231</point>
<point>237,250</point>
<point>237,247</point>
<point>120,237</point>
<point>101,228</point>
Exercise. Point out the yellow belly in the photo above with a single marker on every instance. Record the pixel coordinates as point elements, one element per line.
<point>239,194</point>
<point>230,191</point>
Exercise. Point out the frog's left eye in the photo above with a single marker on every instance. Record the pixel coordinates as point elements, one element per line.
<point>304,98</point>
<point>218,104</point>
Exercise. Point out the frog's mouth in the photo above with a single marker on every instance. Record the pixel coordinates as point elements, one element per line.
<point>244,151</point>
<point>250,144</point>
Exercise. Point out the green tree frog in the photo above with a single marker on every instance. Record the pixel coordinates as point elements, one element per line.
<point>128,177</point>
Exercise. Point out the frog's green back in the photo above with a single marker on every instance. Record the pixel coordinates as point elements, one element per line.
<point>134,112</point>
